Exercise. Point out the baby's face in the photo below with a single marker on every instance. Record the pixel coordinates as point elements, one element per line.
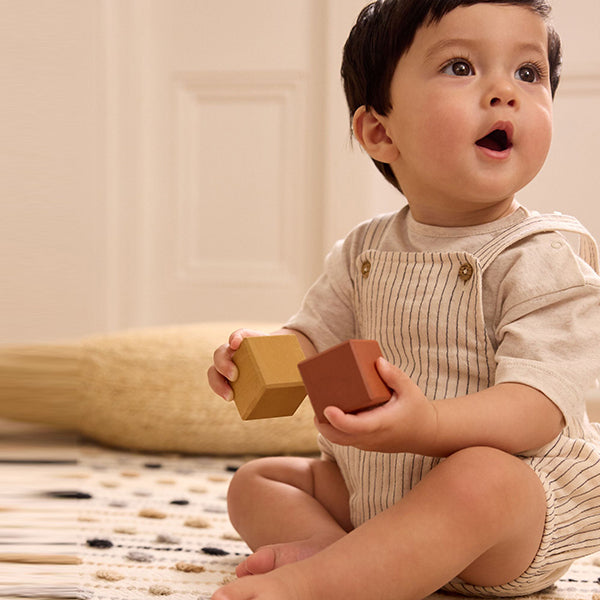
<point>471,112</point>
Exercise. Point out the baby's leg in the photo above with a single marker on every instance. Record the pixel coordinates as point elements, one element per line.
<point>287,508</point>
<point>479,515</point>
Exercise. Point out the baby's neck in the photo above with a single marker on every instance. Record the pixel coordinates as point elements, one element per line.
<point>454,217</point>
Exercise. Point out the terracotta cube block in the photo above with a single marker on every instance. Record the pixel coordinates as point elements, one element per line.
<point>345,376</point>
<point>269,383</point>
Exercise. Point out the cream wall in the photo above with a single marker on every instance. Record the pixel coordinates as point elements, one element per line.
<point>51,184</point>
<point>185,160</point>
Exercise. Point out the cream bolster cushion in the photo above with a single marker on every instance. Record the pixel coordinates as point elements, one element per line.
<point>143,389</point>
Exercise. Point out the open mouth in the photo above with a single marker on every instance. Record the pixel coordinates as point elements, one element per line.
<point>497,140</point>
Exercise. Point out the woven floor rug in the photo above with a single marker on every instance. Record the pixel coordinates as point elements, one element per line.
<point>82,521</point>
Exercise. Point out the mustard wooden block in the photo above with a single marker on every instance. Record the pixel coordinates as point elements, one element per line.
<point>269,383</point>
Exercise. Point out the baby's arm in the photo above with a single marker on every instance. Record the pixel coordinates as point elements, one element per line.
<point>223,369</point>
<point>509,416</point>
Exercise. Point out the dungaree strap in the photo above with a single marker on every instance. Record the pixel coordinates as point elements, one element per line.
<point>588,248</point>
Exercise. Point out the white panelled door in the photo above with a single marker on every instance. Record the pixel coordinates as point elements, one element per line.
<point>221,122</point>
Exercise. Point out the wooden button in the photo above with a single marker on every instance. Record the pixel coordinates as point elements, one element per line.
<point>365,269</point>
<point>465,272</point>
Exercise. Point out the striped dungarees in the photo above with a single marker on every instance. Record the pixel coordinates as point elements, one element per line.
<point>425,310</point>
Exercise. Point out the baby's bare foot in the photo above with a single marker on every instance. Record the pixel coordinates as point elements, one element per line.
<point>268,558</point>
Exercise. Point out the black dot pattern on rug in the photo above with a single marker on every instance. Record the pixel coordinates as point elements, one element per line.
<point>99,543</point>
<point>214,551</point>
<point>172,540</point>
<point>69,494</point>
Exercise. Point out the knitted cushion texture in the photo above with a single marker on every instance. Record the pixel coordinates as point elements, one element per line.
<point>143,389</point>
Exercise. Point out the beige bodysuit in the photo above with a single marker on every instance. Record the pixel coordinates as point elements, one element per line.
<point>451,318</point>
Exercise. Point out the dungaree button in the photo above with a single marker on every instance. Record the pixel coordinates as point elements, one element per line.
<point>465,272</point>
<point>365,269</point>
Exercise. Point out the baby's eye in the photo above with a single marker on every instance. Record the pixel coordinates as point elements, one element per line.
<point>528,73</point>
<point>459,67</point>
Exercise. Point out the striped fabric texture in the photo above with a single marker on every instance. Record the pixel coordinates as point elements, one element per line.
<point>425,310</point>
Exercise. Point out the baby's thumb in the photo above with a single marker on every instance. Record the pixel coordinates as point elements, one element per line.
<point>392,376</point>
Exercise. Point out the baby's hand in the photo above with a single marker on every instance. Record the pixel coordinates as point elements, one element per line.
<point>406,423</point>
<point>223,369</point>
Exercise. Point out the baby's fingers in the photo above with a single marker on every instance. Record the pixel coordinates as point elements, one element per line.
<point>223,362</point>
<point>219,384</point>
<point>237,337</point>
<point>345,429</point>
<point>222,371</point>
<point>344,422</point>
<point>363,422</point>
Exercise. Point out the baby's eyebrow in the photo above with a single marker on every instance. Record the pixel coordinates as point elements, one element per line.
<point>442,45</point>
<point>449,43</point>
<point>533,47</point>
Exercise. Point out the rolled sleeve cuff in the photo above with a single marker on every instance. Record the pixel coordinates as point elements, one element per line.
<point>566,394</point>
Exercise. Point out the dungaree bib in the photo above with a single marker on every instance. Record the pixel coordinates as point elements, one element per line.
<point>425,310</point>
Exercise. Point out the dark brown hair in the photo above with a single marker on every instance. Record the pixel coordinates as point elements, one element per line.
<point>385,30</point>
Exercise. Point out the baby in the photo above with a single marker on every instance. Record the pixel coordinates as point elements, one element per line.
<point>481,475</point>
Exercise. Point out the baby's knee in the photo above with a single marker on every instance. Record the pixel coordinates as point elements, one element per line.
<point>244,478</point>
<point>490,480</point>
<point>253,477</point>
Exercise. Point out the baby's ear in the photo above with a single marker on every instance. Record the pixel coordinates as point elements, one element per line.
<point>370,131</point>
